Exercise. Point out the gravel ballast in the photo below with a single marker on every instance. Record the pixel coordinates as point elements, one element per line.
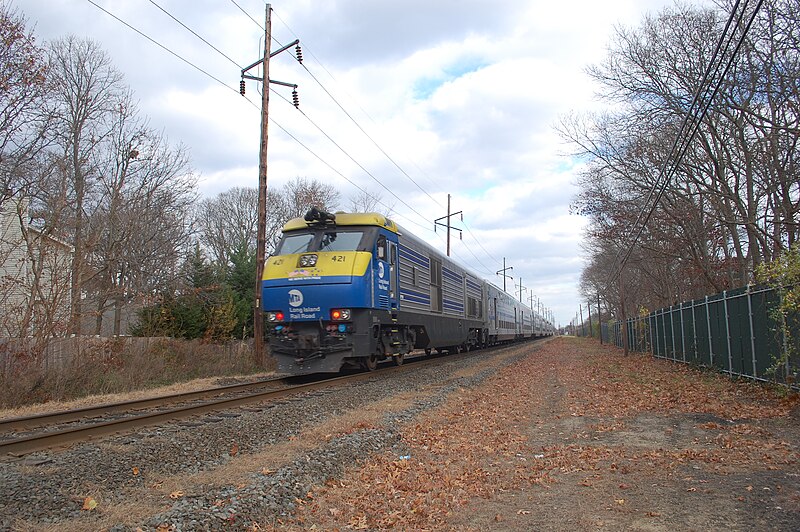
<point>51,488</point>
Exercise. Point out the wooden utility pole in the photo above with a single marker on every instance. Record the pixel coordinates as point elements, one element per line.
<point>583,327</point>
<point>624,315</point>
<point>599,321</point>
<point>261,238</point>
<point>589,308</point>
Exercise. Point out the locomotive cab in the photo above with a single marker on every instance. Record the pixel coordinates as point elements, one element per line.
<point>331,283</point>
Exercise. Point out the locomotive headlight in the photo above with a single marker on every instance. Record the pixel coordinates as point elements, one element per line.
<point>275,316</point>
<point>340,314</point>
<point>307,260</point>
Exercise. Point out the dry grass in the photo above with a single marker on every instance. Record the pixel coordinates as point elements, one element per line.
<point>102,367</point>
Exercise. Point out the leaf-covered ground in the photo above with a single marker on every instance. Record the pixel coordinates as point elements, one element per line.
<point>576,436</point>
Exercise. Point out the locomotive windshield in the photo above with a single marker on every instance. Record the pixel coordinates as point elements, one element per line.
<point>294,244</point>
<point>329,239</point>
<point>340,241</point>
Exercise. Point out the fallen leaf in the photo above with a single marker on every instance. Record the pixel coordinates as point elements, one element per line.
<point>334,511</point>
<point>89,504</point>
<point>176,494</point>
<point>135,471</point>
<point>498,517</point>
<point>620,501</point>
<point>234,449</point>
<point>267,471</point>
<point>749,488</point>
<point>523,512</point>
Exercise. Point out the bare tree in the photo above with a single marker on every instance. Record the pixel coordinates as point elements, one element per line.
<point>87,88</point>
<point>22,92</point>
<point>733,200</point>
<point>365,201</point>
<point>301,193</point>
<point>34,263</point>
<point>228,222</point>
<point>141,225</point>
<point>293,200</point>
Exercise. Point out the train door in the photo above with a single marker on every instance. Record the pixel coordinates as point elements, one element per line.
<point>436,285</point>
<point>382,271</point>
<point>394,272</point>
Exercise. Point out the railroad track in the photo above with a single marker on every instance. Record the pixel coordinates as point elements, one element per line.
<point>62,428</point>
<point>59,429</point>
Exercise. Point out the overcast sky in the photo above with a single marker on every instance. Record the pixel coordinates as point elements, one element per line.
<point>461,95</point>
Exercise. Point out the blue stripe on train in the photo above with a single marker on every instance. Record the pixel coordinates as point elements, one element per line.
<point>453,276</point>
<point>413,256</point>
<point>415,297</point>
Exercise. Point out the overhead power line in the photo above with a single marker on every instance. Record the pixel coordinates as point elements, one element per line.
<point>257,23</point>
<point>163,47</point>
<point>195,34</point>
<point>282,128</point>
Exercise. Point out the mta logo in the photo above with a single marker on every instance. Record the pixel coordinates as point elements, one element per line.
<point>295,298</point>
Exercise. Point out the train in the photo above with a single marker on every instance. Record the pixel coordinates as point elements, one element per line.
<point>352,289</point>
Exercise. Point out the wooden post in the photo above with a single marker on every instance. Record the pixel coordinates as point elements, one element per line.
<point>261,238</point>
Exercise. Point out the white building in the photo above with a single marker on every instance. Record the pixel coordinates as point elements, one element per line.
<point>34,276</point>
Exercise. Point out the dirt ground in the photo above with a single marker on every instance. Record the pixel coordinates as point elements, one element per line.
<point>578,437</point>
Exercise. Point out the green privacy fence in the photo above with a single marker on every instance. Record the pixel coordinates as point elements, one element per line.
<point>737,332</point>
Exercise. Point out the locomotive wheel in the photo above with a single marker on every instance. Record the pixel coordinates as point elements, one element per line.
<point>427,351</point>
<point>398,359</point>
<point>370,363</point>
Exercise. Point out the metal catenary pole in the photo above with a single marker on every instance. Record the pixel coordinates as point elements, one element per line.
<point>448,225</point>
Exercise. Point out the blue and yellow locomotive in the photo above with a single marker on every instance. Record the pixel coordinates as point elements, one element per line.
<point>353,289</point>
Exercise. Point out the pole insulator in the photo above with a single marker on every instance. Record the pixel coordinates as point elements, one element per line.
<point>241,87</point>
<point>298,53</point>
<point>295,98</point>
